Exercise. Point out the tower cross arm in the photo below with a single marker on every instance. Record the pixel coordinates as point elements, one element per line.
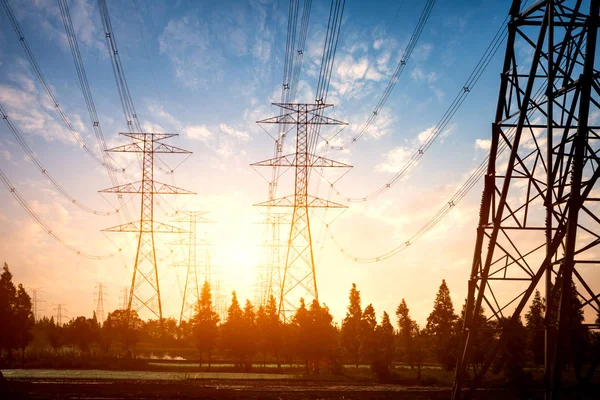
<point>157,227</point>
<point>155,137</point>
<point>288,201</point>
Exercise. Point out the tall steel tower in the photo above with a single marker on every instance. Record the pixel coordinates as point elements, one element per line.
<point>191,289</point>
<point>100,303</point>
<point>299,276</point>
<point>538,223</point>
<point>145,289</point>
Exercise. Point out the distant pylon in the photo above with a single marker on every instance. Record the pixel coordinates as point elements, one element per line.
<point>145,288</point>
<point>538,221</point>
<point>191,288</point>
<point>299,275</point>
<point>124,298</point>
<point>60,311</point>
<point>35,300</point>
<point>100,303</point>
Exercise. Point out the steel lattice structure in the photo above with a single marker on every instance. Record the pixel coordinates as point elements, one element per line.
<point>100,303</point>
<point>191,288</point>
<point>538,223</point>
<point>145,289</point>
<point>299,277</point>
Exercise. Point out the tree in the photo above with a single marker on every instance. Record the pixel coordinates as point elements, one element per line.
<point>270,330</point>
<point>441,327</point>
<point>535,328</point>
<point>384,339</point>
<point>8,293</point>
<point>482,338</point>
<point>315,334</point>
<point>233,334</point>
<point>124,327</point>
<point>23,320</point>
<point>576,343</point>
<point>250,337</point>
<point>204,324</point>
<point>351,326</point>
<point>15,315</point>
<point>368,344</point>
<point>81,332</point>
<point>511,357</point>
<point>405,325</point>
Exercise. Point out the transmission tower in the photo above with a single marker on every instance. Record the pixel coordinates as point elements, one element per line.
<point>538,225</point>
<point>35,300</point>
<point>124,298</point>
<point>191,289</point>
<point>145,289</point>
<point>299,277</point>
<point>100,302</point>
<point>60,310</point>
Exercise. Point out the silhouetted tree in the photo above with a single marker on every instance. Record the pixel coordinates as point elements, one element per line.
<point>351,326</point>
<point>250,336</point>
<point>441,327</point>
<point>15,315</point>
<point>535,328</point>
<point>8,293</point>
<point>405,325</point>
<point>384,339</point>
<point>204,324</point>
<point>577,339</point>
<point>368,344</point>
<point>482,338</point>
<point>123,327</point>
<point>233,335</point>
<point>511,357</point>
<point>316,335</point>
<point>270,330</point>
<point>82,332</point>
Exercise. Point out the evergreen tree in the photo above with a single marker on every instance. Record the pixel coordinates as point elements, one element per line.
<point>250,337</point>
<point>441,327</point>
<point>204,324</point>
<point>511,357</point>
<point>405,325</point>
<point>272,331</point>
<point>233,330</point>
<point>368,345</point>
<point>316,335</point>
<point>302,333</point>
<point>535,328</point>
<point>351,326</point>
<point>384,338</point>
<point>8,293</point>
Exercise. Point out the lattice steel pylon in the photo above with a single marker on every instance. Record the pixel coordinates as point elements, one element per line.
<point>538,223</point>
<point>299,276</point>
<point>100,303</point>
<point>145,289</point>
<point>191,288</point>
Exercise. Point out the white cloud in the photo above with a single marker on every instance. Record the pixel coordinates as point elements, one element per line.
<point>5,155</point>
<point>394,159</point>
<point>231,131</point>
<point>197,132</point>
<point>417,74</point>
<point>483,144</point>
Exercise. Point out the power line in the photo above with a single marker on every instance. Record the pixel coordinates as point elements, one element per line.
<point>48,89</point>
<point>45,226</point>
<point>462,191</point>
<point>416,34</point>
<point>44,171</point>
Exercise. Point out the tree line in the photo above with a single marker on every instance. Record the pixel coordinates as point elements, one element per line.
<point>251,336</point>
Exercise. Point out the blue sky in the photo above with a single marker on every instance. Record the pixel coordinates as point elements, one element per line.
<point>208,70</point>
